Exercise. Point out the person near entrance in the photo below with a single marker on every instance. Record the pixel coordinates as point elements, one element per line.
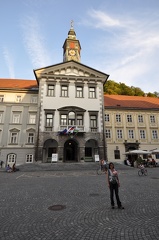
<point>113,184</point>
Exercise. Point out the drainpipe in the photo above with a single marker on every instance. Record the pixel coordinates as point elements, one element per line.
<point>38,130</point>
<point>104,139</point>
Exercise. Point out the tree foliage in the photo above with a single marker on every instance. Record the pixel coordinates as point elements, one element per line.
<point>113,88</point>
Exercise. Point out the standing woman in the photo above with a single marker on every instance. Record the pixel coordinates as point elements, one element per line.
<point>113,184</point>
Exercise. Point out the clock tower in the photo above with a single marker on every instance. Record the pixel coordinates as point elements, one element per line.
<point>71,47</point>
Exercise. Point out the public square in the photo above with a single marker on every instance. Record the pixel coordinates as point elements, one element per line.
<point>71,202</point>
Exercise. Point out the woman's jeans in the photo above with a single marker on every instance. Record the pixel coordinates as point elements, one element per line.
<point>114,188</point>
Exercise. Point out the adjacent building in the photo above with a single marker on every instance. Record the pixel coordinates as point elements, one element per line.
<point>131,122</point>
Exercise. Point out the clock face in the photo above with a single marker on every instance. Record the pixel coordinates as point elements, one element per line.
<point>72,52</point>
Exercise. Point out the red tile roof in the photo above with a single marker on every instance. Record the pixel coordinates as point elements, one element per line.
<point>17,84</point>
<point>122,101</point>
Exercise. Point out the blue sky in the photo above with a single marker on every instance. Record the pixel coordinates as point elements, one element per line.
<point>118,37</point>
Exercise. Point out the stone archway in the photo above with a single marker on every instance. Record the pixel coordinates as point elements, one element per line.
<point>91,149</point>
<point>50,146</point>
<point>71,151</point>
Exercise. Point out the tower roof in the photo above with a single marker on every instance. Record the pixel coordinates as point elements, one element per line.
<point>71,33</point>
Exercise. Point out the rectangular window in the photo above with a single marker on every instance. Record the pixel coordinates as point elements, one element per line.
<point>116,154</point>
<point>49,120</point>
<point>107,118</point>
<point>129,118</point>
<point>33,99</point>
<point>140,118</point>
<point>51,90</point>
<point>32,118</point>
<point>1,98</point>
<point>29,158</point>
<point>118,118</point>
<point>131,133</point>
<point>119,133</point>
<point>18,98</point>
<point>152,119</point>
<point>79,92</point>
<point>63,120</point>
<point>11,158</point>
<point>64,91</point>
<point>16,118</point>
<point>92,92</point>
<point>93,123</point>
<point>107,133</point>
<point>142,134</point>
<point>80,120</point>
<point>14,137</point>
<point>154,134</point>
<point>31,138</point>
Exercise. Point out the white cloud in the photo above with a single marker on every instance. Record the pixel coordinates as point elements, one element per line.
<point>35,43</point>
<point>130,47</point>
<point>103,20</point>
<point>9,62</point>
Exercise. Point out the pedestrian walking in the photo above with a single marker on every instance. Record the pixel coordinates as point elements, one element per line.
<point>113,184</point>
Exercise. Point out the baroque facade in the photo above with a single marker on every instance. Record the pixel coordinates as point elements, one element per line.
<point>69,112</point>
<point>63,115</point>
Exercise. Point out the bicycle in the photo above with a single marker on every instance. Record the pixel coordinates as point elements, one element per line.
<point>142,172</point>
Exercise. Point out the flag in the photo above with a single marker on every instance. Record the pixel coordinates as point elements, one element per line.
<point>76,130</point>
<point>64,131</point>
<point>70,130</point>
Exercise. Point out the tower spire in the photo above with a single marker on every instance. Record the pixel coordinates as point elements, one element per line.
<point>72,22</point>
<point>71,47</point>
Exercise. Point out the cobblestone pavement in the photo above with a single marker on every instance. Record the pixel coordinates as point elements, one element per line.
<point>74,204</point>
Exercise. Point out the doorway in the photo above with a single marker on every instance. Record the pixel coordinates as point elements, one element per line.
<point>71,151</point>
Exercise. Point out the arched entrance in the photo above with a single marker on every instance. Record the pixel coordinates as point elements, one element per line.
<point>50,147</point>
<point>71,151</point>
<point>91,149</point>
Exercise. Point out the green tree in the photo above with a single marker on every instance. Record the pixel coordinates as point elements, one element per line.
<point>113,88</point>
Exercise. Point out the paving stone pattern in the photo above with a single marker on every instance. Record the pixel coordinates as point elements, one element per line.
<point>79,199</point>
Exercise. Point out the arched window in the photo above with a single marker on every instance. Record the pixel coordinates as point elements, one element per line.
<point>71,118</point>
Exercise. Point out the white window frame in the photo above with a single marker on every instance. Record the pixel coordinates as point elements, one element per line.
<point>131,134</point>
<point>119,133</point>
<point>107,118</point>
<point>92,92</point>
<point>79,91</point>
<point>29,158</point>
<point>51,90</point>
<point>140,119</point>
<point>63,119</point>
<point>31,137</point>
<point>13,137</point>
<point>79,119</point>
<point>152,119</point>
<point>108,133</point>
<point>32,118</point>
<point>129,118</point>
<point>142,134</point>
<point>154,134</point>
<point>118,117</point>
<point>16,117</point>
<point>11,158</point>
<point>18,98</point>
<point>64,91</point>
